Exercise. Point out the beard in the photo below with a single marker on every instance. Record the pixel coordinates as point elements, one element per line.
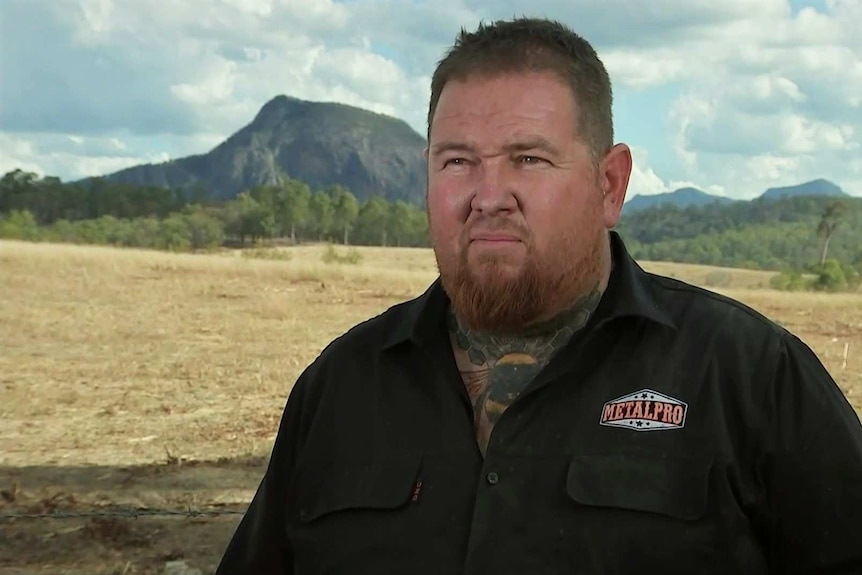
<point>491,293</point>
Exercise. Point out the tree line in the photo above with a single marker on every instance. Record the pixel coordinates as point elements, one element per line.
<point>797,235</point>
<point>815,242</point>
<point>793,232</point>
<point>106,212</point>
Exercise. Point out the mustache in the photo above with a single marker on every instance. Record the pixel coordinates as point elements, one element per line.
<point>497,225</point>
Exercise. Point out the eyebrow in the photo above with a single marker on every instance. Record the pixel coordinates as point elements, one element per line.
<point>532,143</point>
<point>451,146</point>
<point>521,145</point>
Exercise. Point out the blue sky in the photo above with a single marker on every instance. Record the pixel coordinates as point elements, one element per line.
<point>732,97</point>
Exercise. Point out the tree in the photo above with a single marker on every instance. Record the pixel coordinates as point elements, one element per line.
<point>829,221</point>
<point>13,190</point>
<point>292,206</point>
<point>174,233</point>
<point>371,223</point>
<point>321,212</point>
<point>345,210</point>
<point>247,218</point>
<point>205,230</point>
<point>399,221</point>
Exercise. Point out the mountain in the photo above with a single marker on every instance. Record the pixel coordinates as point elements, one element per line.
<point>819,187</point>
<point>319,143</point>
<point>323,143</point>
<point>682,197</point>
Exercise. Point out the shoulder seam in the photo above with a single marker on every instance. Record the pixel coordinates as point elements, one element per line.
<point>672,284</point>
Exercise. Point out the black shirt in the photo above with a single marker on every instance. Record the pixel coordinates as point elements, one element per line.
<point>679,433</point>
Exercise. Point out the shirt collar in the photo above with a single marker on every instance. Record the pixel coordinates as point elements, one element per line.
<point>629,294</point>
<point>630,291</point>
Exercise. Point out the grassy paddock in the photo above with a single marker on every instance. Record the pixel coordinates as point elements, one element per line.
<point>119,369</point>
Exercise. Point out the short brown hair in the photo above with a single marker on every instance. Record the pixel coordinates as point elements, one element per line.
<point>532,44</point>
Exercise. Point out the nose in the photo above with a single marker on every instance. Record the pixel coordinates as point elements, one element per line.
<point>495,190</point>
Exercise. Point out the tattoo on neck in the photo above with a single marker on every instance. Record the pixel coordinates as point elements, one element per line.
<point>495,369</point>
<point>540,341</point>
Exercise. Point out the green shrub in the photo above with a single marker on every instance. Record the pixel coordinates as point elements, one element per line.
<point>331,256</point>
<point>267,254</point>
<point>19,225</point>
<point>789,280</point>
<point>831,277</point>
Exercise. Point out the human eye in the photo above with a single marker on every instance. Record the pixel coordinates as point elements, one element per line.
<point>454,162</point>
<point>530,160</point>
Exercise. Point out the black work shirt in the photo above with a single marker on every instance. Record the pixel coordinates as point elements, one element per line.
<point>679,433</point>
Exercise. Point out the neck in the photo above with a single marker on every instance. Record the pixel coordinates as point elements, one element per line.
<point>546,335</point>
<point>541,339</point>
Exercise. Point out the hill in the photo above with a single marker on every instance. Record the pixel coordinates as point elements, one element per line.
<point>818,187</point>
<point>682,197</point>
<point>319,143</point>
<point>762,233</point>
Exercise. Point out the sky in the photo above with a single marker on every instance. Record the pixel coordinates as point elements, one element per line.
<point>730,96</point>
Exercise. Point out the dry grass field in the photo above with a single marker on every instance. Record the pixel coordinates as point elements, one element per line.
<point>152,380</point>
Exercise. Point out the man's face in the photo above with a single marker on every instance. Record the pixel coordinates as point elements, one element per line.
<point>516,212</point>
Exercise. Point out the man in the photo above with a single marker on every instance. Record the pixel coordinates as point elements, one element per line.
<point>547,406</point>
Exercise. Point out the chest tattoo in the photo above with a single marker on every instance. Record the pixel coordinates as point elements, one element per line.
<point>496,369</point>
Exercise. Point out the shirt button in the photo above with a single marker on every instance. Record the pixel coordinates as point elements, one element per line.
<point>493,478</point>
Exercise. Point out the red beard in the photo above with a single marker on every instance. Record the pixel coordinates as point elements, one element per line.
<point>489,294</point>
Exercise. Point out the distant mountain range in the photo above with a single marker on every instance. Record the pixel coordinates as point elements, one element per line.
<point>682,197</point>
<point>819,187</point>
<point>685,197</point>
<point>324,144</point>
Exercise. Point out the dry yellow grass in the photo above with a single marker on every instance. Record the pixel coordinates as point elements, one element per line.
<point>116,357</point>
<point>139,352</point>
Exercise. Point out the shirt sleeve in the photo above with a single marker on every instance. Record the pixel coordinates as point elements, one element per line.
<point>811,469</point>
<point>260,544</point>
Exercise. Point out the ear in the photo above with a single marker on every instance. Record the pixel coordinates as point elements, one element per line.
<point>425,153</point>
<point>615,170</point>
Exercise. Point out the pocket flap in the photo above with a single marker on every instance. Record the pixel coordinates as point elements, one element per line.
<point>385,482</point>
<point>674,486</point>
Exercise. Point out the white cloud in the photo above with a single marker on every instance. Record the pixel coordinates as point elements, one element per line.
<point>634,69</point>
<point>781,105</point>
<point>76,156</point>
<point>19,153</point>
<point>765,95</point>
<point>771,168</point>
<point>214,84</point>
<point>689,112</point>
<point>643,180</point>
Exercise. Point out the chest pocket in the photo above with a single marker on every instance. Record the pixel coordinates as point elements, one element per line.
<point>642,512</point>
<point>382,483</point>
<point>674,487</point>
<point>350,515</point>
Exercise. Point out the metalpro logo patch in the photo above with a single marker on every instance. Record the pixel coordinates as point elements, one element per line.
<point>645,410</point>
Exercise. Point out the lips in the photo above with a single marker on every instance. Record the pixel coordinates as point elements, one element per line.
<point>494,237</point>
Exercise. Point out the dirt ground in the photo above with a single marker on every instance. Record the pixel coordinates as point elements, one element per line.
<point>150,381</point>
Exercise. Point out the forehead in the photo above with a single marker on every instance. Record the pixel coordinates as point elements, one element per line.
<point>500,105</point>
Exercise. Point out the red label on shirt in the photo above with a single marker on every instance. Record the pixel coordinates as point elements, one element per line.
<point>645,410</point>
